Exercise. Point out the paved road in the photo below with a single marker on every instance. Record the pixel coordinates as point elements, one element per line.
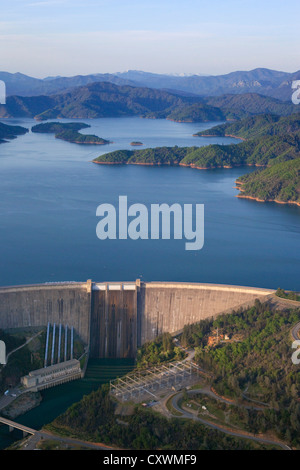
<point>37,436</point>
<point>22,345</point>
<point>296,331</point>
<point>186,414</point>
<point>33,441</point>
<point>208,391</point>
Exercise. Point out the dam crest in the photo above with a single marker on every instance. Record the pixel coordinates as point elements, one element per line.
<point>115,318</point>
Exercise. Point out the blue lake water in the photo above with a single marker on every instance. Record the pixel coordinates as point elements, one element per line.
<point>50,190</point>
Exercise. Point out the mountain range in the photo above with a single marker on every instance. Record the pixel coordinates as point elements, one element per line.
<point>95,100</point>
<point>264,81</point>
<point>105,99</point>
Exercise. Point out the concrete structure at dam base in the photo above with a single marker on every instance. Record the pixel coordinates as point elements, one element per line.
<point>115,318</point>
<point>51,376</point>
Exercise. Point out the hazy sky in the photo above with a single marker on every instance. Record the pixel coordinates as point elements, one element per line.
<point>68,37</point>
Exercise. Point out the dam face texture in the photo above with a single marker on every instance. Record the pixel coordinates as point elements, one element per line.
<point>113,321</point>
<point>115,318</point>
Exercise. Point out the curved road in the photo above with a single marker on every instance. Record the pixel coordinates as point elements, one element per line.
<point>22,346</point>
<point>188,415</point>
<point>296,331</point>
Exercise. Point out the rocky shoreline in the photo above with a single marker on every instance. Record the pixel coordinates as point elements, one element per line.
<point>175,163</point>
<point>242,196</point>
<point>22,404</point>
<point>253,198</point>
<point>225,135</point>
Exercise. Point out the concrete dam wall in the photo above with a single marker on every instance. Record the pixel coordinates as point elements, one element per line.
<point>116,318</point>
<point>36,305</point>
<point>167,307</point>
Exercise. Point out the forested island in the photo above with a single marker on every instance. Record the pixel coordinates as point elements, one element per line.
<point>136,143</point>
<point>10,132</point>
<point>270,142</point>
<point>259,152</point>
<point>69,132</point>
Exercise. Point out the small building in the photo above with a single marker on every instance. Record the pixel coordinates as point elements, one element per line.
<point>53,375</point>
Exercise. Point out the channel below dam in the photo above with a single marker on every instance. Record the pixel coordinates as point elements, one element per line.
<point>115,318</point>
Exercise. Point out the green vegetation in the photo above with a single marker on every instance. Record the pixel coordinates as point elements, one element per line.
<point>171,408</point>
<point>58,127</point>
<point>239,106</point>
<point>156,156</point>
<point>263,151</point>
<point>69,132</point>
<point>162,349</point>
<point>274,144</point>
<point>10,132</point>
<point>31,356</point>
<point>228,107</point>
<point>11,342</point>
<point>257,126</point>
<point>198,112</point>
<point>258,364</point>
<point>224,414</point>
<point>287,295</point>
<point>195,335</point>
<point>24,360</point>
<point>260,152</point>
<point>77,138</point>
<point>96,100</point>
<point>104,99</point>
<point>280,182</point>
<point>94,418</point>
<point>55,444</point>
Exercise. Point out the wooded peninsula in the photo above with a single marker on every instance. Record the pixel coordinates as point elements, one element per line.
<point>271,142</point>
<point>69,132</point>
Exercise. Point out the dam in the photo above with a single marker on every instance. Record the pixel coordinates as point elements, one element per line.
<point>115,318</point>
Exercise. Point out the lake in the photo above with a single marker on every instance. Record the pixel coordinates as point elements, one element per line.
<point>50,191</point>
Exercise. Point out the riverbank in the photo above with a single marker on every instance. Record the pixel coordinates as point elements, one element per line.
<point>22,405</point>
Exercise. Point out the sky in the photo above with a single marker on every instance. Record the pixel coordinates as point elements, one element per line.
<point>70,37</point>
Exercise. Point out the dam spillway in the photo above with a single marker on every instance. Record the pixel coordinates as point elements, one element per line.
<point>115,318</point>
<point>113,321</point>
